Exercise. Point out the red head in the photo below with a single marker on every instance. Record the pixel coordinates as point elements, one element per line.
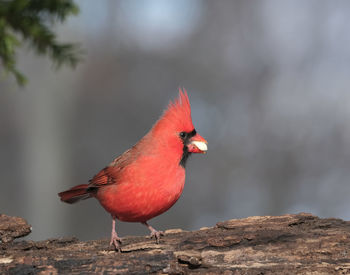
<point>176,130</point>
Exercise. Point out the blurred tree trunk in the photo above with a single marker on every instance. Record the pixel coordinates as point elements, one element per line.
<point>288,244</point>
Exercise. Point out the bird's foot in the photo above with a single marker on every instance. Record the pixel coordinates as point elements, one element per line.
<point>115,241</point>
<point>156,234</point>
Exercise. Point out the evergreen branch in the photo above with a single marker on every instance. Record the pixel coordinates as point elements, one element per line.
<point>30,20</point>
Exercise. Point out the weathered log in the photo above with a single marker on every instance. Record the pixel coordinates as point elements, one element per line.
<point>13,227</point>
<point>289,244</point>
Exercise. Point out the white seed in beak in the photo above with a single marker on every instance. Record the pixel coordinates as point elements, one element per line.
<point>200,145</point>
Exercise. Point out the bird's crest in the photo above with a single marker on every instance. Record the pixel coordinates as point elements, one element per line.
<point>179,112</point>
<point>177,116</point>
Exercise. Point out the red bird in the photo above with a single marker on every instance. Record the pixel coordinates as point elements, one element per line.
<point>147,179</point>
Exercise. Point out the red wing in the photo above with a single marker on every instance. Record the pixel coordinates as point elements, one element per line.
<point>106,176</point>
<point>110,174</point>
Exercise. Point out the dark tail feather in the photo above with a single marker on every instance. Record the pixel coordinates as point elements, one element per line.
<point>77,193</point>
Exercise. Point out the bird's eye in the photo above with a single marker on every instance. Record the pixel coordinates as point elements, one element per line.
<point>183,134</point>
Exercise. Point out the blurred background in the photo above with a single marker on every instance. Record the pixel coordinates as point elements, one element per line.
<point>269,87</point>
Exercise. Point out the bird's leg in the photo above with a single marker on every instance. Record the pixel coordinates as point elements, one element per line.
<point>154,233</point>
<point>115,240</point>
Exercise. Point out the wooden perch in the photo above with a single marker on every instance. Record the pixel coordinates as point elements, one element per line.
<point>289,244</point>
<point>13,227</point>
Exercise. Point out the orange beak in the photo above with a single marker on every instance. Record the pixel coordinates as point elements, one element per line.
<point>197,144</point>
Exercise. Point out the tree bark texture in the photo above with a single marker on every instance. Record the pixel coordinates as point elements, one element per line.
<point>289,244</point>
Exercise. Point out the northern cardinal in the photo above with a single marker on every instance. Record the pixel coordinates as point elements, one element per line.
<point>147,179</point>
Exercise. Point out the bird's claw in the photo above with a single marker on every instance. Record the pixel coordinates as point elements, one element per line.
<point>156,234</point>
<point>115,241</point>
